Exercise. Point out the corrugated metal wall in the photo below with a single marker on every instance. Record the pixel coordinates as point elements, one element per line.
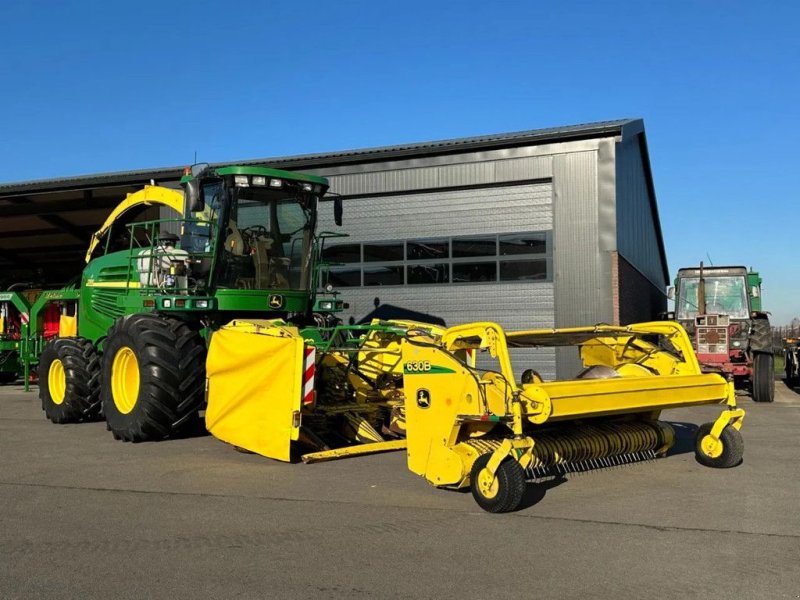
<point>577,189</point>
<point>506,209</point>
<point>637,239</point>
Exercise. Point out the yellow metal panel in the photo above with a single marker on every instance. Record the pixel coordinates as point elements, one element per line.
<point>112,284</point>
<point>67,326</point>
<point>437,388</point>
<point>254,371</point>
<point>151,194</point>
<point>597,397</point>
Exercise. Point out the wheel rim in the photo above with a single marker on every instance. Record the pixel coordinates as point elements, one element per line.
<point>711,447</point>
<point>125,380</point>
<point>57,381</point>
<point>487,484</point>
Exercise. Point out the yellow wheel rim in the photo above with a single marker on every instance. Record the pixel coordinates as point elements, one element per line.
<point>57,381</point>
<point>711,447</point>
<point>487,484</point>
<point>125,380</point>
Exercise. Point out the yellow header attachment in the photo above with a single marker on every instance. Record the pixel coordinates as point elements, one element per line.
<point>151,194</point>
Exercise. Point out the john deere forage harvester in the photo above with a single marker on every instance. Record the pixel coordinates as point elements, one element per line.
<point>240,241</point>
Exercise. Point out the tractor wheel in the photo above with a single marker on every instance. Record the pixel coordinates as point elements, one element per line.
<point>722,454</point>
<point>503,493</point>
<point>69,386</point>
<point>153,377</point>
<point>761,336</point>
<point>763,378</point>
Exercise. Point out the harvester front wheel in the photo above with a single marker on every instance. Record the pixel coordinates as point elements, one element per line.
<point>501,493</point>
<point>763,377</point>
<point>153,377</point>
<point>69,382</point>
<point>720,454</point>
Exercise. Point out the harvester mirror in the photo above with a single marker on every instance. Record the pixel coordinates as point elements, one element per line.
<point>671,293</point>
<point>193,192</point>
<point>199,168</point>
<point>755,292</point>
<point>338,209</point>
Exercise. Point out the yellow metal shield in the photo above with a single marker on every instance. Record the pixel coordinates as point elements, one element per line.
<point>254,371</point>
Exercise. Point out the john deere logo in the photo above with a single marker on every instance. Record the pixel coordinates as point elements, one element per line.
<point>276,301</point>
<point>423,398</point>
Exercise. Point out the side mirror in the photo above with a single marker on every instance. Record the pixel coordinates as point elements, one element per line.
<point>199,168</point>
<point>193,196</point>
<point>671,293</point>
<point>755,292</point>
<point>338,210</point>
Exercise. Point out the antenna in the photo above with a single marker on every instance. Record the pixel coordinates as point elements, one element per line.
<point>195,158</point>
<point>708,256</point>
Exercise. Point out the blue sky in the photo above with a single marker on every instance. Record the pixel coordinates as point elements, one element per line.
<point>101,86</point>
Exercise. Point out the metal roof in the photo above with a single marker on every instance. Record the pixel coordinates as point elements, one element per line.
<point>45,224</point>
<point>453,146</point>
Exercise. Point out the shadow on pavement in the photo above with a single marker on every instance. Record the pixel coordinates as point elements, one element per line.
<point>684,438</point>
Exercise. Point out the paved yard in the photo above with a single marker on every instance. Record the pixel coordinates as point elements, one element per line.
<point>87,517</point>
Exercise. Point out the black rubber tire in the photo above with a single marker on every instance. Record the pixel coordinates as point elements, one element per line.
<point>763,378</point>
<point>732,447</point>
<point>82,372</point>
<point>761,336</point>
<point>511,480</point>
<point>6,378</point>
<point>171,360</point>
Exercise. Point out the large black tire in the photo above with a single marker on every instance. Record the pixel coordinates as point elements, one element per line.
<point>732,447</point>
<point>761,336</point>
<point>153,377</point>
<point>763,379</point>
<point>72,366</point>
<point>8,377</point>
<point>510,481</point>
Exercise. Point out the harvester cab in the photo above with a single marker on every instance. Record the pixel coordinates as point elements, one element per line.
<point>720,307</point>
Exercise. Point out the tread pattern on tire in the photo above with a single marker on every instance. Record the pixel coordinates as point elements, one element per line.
<point>732,447</point>
<point>171,358</point>
<point>761,336</point>
<point>511,478</point>
<point>82,370</point>
<point>763,377</point>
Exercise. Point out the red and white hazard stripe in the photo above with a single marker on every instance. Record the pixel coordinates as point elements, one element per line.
<point>24,317</point>
<point>308,375</point>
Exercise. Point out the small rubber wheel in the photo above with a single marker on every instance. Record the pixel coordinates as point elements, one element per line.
<point>722,454</point>
<point>763,377</point>
<point>503,493</point>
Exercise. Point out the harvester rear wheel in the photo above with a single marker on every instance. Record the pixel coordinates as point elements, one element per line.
<point>503,493</point>
<point>763,377</point>
<point>6,378</point>
<point>153,377</point>
<point>69,386</point>
<point>722,454</point>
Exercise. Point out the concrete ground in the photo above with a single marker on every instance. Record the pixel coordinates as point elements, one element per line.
<point>84,516</point>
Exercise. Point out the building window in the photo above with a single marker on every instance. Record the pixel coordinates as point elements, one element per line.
<point>514,257</point>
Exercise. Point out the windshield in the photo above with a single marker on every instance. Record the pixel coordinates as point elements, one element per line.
<point>267,241</point>
<point>724,296</point>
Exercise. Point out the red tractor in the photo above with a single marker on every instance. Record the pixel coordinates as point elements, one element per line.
<point>720,307</point>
